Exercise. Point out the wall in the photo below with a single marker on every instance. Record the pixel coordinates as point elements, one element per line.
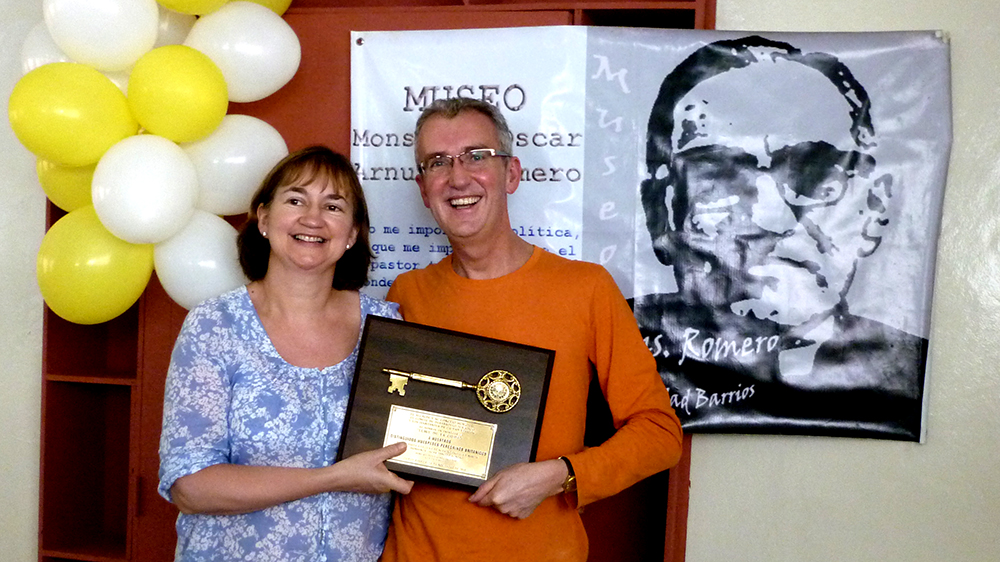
<point>774,499</point>
<point>22,224</point>
<point>780,499</point>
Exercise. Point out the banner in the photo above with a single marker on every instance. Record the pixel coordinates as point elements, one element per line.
<point>768,202</point>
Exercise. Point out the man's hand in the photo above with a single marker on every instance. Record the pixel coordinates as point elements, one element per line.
<point>518,489</point>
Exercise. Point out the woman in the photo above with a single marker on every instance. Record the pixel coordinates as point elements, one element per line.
<point>260,378</point>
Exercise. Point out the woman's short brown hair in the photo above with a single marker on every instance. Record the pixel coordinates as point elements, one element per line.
<point>307,165</point>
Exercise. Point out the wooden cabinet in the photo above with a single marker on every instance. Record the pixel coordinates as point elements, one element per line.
<point>90,407</point>
<point>102,389</point>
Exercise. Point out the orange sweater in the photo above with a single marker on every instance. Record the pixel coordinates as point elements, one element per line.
<point>576,309</point>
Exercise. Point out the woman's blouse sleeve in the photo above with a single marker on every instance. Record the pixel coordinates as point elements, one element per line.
<point>379,307</point>
<point>196,400</point>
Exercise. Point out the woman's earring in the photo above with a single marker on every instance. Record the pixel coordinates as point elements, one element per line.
<point>348,246</point>
<point>263,233</point>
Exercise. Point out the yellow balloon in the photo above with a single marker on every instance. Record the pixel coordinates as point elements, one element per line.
<point>68,187</point>
<point>277,6</point>
<point>69,113</point>
<point>177,92</point>
<point>86,274</point>
<point>196,7</point>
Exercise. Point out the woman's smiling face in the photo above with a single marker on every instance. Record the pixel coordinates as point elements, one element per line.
<point>309,224</point>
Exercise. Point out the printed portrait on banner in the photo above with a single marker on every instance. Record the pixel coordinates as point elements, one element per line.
<point>763,194</point>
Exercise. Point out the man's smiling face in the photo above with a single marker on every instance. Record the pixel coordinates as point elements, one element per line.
<point>466,204</point>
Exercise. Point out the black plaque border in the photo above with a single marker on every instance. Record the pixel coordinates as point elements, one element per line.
<point>408,346</point>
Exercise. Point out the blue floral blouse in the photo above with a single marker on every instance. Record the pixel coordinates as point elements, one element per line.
<point>230,398</point>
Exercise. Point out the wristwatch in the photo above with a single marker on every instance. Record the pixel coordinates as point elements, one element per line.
<point>569,484</point>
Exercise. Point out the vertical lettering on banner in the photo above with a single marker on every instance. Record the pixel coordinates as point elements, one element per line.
<point>609,161</point>
<point>607,253</point>
<point>609,199</point>
<point>604,123</point>
<point>605,69</point>
<point>608,211</point>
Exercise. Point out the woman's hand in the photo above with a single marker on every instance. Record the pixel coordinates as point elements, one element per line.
<point>227,489</point>
<point>366,472</point>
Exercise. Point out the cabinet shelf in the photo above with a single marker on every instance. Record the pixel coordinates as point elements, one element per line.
<point>637,17</point>
<point>85,471</point>
<point>110,551</point>
<point>97,377</point>
<point>100,351</point>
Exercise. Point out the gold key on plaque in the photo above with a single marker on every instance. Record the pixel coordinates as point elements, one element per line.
<point>498,391</point>
<point>397,383</point>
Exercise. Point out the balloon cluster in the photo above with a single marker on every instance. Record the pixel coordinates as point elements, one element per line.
<point>124,103</point>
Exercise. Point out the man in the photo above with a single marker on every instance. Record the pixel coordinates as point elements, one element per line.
<point>497,285</point>
<point>763,195</point>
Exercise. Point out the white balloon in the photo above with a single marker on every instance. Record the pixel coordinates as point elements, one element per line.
<point>105,34</point>
<point>199,262</point>
<point>174,27</point>
<point>144,189</point>
<point>257,51</point>
<point>39,48</point>
<point>232,162</point>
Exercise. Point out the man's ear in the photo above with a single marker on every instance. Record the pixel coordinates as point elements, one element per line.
<point>513,175</point>
<point>423,193</point>
<point>876,214</point>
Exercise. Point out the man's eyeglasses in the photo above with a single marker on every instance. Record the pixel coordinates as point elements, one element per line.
<point>472,160</point>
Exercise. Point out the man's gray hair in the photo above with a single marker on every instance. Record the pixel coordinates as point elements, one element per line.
<point>451,107</point>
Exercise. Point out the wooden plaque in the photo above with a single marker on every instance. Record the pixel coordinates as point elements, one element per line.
<point>467,406</point>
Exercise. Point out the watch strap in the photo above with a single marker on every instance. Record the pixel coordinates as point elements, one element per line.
<point>569,484</point>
